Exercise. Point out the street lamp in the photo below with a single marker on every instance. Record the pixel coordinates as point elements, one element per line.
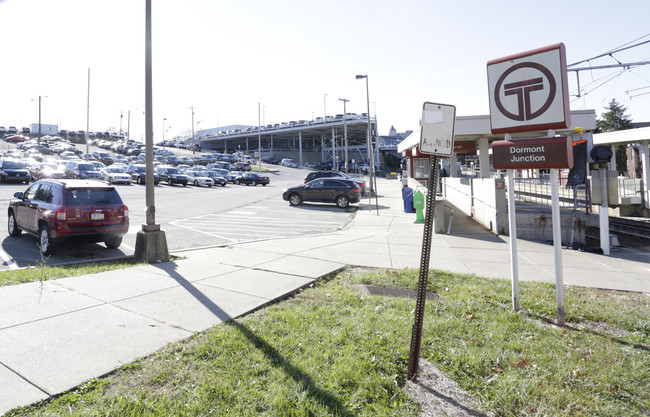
<point>345,131</point>
<point>163,138</point>
<point>370,154</point>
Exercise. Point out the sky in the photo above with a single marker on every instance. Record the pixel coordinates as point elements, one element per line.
<point>258,61</point>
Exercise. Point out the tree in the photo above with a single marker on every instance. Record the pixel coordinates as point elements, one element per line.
<point>612,120</point>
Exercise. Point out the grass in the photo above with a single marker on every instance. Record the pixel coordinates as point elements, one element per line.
<point>328,350</point>
<point>42,272</point>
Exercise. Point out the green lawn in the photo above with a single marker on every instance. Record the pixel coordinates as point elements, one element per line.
<point>328,350</point>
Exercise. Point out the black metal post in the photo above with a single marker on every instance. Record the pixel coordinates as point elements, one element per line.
<point>416,334</point>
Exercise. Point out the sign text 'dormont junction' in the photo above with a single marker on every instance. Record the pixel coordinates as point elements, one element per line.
<point>525,154</point>
<point>540,153</point>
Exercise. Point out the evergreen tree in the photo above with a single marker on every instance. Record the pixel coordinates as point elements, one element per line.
<point>612,120</point>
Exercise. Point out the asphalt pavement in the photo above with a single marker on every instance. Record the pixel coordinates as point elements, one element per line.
<point>54,335</point>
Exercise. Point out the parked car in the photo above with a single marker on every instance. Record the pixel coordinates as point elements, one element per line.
<point>289,163</point>
<point>138,174</point>
<point>198,179</point>
<point>229,176</point>
<point>269,160</point>
<point>251,178</point>
<point>335,174</point>
<point>341,192</point>
<point>62,210</point>
<point>116,175</point>
<point>171,175</point>
<point>16,138</point>
<point>216,177</point>
<point>82,170</point>
<point>12,170</point>
<point>46,170</point>
<point>242,166</point>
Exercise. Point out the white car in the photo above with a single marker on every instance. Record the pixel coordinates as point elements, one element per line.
<point>289,163</point>
<point>199,180</point>
<point>116,175</point>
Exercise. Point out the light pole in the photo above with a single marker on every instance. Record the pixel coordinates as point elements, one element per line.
<point>192,127</point>
<point>345,132</point>
<point>370,154</point>
<point>163,139</point>
<point>39,119</point>
<point>259,139</point>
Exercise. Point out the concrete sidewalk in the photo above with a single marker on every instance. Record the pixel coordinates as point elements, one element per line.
<point>56,334</point>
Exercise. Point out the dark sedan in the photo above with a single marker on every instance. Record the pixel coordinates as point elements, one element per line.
<point>14,171</point>
<point>341,192</point>
<point>138,174</point>
<point>251,178</point>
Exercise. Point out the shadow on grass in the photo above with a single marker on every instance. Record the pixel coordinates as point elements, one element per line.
<point>603,334</point>
<point>331,402</point>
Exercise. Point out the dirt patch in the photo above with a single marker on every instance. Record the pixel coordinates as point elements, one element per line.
<point>438,395</point>
<point>394,292</point>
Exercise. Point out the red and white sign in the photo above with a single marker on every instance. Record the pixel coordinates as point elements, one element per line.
<point>529,91</point>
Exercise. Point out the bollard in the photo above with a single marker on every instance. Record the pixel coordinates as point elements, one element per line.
<point>418,204</point>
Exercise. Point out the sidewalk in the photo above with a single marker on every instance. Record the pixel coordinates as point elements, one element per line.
<point>56,334</point>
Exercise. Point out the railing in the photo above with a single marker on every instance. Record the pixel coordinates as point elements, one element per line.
<point>629,187</point>
<point>537,191</point>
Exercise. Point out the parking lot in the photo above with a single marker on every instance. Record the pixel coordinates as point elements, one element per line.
<point>191,217</point>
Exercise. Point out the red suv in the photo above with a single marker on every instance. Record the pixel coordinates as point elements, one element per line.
<point>63,210</point>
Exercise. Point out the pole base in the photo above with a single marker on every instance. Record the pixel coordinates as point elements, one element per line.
<point>151,247</point>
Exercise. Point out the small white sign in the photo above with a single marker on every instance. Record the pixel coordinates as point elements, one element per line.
<point>437,133</point>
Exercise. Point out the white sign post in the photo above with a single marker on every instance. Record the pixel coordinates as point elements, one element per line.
<point>529,92</point>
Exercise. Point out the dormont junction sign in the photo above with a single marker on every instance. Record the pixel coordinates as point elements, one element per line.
<point>556,152</point>
<point>529,91</point>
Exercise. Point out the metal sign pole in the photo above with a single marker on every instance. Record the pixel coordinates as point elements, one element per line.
<point>557,247</point>
<point>557,241</point>
<point>416,334</point>
<point>512,220</point>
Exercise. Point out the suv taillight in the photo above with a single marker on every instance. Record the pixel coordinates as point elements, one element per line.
<point>355,190</point>
<point>126,211</point>
<point>61,214</point>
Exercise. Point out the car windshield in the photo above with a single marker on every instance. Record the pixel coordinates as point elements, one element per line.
<point>90,196</point>
<point>173,171</point>
<point>13,165</point>
<point>87,167</point>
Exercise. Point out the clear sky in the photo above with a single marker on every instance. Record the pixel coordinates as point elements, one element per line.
<point>224,57</point>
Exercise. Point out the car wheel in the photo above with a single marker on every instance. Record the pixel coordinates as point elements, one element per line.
<point>237,182</point>
<point>254,184</point>
<point>223,185</point>
<point>196,183</point>
<point>44,240</point>
<point>342,201</point>
<point>170,182</point>
<point>295,199</point>
<point>12,227</point>
<point>140,180</point>
<point>263,184</point>
<point>184,184</point>
<point>113,243</point>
